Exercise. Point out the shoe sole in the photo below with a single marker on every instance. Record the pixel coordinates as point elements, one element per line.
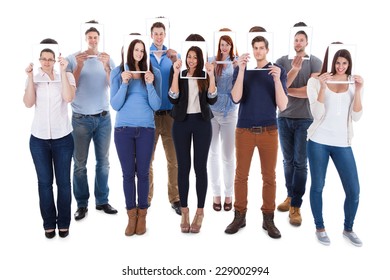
<point>283,209</point>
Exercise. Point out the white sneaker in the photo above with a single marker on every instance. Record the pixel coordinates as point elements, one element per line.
<point>323,237</point>
<point>351,236</point>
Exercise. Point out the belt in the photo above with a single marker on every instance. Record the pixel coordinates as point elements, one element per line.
<point>162,112</point>
<point>102,114</point>
<point>261,129</point>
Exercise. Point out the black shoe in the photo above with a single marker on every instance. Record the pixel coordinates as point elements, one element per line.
<point>177,207</point>
<point>80,213</point>
<point>107,208</point>
<point>63,233</point>
<point>50,234</point>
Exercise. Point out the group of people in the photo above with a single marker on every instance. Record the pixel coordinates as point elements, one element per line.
<point>295,102</point>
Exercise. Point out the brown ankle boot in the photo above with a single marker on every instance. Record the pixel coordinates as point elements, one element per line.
<point>285,205</point>
<point>130,229</point>
<point>141,221</point>
<point>268,225</point>
<point>239,221</point>
<point>295,216</point>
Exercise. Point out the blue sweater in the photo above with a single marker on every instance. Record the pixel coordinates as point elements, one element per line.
<point>164,66</point>
<point>134,102</point>
<point>258,103</point>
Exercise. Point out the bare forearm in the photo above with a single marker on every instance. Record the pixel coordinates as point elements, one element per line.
<point>298,92</point>
<point>29,97</point>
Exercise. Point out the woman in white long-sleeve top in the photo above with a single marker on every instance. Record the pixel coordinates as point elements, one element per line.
<point>334,106</point>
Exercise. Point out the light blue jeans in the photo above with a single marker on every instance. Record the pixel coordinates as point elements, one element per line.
<point>85,129</point>
<point>344,162</point>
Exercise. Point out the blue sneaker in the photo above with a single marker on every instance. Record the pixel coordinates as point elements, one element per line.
<point>352,237</point>
<point>323,237</point>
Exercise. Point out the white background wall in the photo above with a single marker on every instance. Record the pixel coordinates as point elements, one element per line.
<point>97,247</point>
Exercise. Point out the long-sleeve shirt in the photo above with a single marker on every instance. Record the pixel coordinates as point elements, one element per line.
<point>135,102</point>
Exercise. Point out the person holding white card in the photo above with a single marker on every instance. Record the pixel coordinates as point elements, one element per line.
<point>259,93</point>
<point>294,121</point>
<point>51,141</point>
<point>162,58</point>
<point>91,121</point>
<point>191,97</point>
<point>334,106</point>
<point>135,95</point>
<point>223,125</point>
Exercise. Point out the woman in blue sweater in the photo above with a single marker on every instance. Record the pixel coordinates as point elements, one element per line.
<point>135,95</point>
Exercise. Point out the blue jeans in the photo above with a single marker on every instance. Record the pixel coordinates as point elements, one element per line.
<point>344,161</point>
<point>48,155</point>
<point>134,146</point>
<point>292,137</point>
<point>85,129</point>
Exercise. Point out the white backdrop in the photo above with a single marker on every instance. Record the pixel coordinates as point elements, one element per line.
<point>97,247</point>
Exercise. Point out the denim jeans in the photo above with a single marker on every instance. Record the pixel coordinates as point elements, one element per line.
<point>85,129</point>
<point>48,155</point>
<point>267,146</point>
<point>193,131</point>
<point>344,162</point>
<point>134,146</point>
<point>292,137</point>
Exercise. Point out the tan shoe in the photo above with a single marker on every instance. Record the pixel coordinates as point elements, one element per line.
<point>130,229</point>
<point>141,221</point>
<point>295,216</point>
<point>285,205</point>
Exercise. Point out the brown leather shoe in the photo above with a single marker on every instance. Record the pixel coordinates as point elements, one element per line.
<point>285,205</point>
<point>239,222</point>
<point>269,226</point>
<point>295,216</point>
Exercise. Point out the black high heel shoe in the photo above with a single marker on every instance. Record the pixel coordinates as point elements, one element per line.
<point>50,234</point>
<point>63,233</point>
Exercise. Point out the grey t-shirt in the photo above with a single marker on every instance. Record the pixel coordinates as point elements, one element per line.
<point>299,107</point>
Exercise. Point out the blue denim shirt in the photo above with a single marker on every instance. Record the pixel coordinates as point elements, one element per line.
<point>224,82</point>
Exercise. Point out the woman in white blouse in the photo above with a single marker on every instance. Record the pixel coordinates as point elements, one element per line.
<point>51,141</point>
<point>335,101</point>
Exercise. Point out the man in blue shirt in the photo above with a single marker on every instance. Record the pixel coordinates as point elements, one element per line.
<point>258,92</point>
<point>91,121</point>
<point>162,58</point>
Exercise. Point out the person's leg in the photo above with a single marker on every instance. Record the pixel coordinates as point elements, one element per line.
<point>300,161</point>
<point>62,159</point>
<point>318,156</point>
<point>344,161</point>
<point>144,142</point>
<point>170,154</point>
<point>102,140</point>
<point>158,125</point>
<point>228,129</point>
<point>182,134</point>
<point>286,138</point>
<point>245,144</point>
<point>82,136</point>
<point>125,146</point>
<point>201,141</point>
<point>42,156</point>
<point>213,162</point>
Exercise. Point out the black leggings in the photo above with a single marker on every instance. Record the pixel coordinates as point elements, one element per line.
<point>193,129</point>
